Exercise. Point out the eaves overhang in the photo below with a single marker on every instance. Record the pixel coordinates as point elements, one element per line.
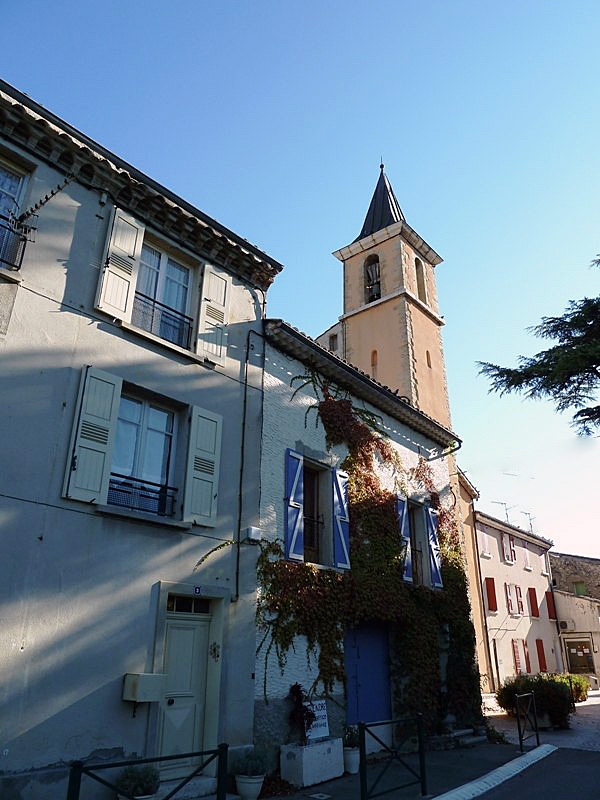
<point>296,344</point>
<point>507,527</point>
<point>43,134</point>
<point>401,228</point>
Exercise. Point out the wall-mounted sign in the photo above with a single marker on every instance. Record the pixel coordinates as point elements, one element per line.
<point>320,727</point>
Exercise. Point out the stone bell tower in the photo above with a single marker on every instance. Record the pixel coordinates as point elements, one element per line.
<point>391,325</point>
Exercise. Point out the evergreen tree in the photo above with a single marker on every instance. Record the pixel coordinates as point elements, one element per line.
<point>568,372</point>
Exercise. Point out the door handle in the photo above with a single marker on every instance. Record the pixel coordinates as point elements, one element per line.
<point>170,701</point>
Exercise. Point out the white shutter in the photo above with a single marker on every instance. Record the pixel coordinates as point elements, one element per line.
<point>88,467</point>
<point>214,314</point>
<point>202,476</point>
<point>118,278</point>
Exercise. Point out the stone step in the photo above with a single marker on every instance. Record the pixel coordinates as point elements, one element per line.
<point>460,733</point>
<point>202,786</point>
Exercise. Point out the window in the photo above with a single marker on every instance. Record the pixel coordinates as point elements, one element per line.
<point>516,656</point>
<point>372,279</point>
<point>526,557</point>
<point>485,544</point>
<point>333,342</point>
<point>316,513</point>
<point>125,448</point>
<point>490,591</point>
<point>420,275</point>
<point>533,603</point>
<point>550,605</point>
<point>527,659</point>
<point>508,548</point>
<point>12,239</point>
<point>418,531</point>
<point>145,284</point>
<point>514,599</point>
<point>579,588</point>
<point>374,364</point>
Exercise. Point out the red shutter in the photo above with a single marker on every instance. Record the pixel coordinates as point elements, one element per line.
<point>551,606</point>
<point>533,603</point>
<point>511,544</point>
<point>539,643</point>
<point>519,600</point>
<point>490,590</point>
<point>509,604</point>
<point>527,660</point>
<point>517,659</point>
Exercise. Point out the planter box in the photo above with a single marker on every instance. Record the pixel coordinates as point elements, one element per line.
<point>312,763</point>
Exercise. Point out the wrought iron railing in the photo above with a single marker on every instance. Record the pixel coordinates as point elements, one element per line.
<point>526,713</point>
<point>159,319</point>
<point>79,769</point>
<point>406,729</point>
<point>13,238</point>
<point>153,498</point>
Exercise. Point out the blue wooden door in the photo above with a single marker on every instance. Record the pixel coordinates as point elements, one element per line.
<point>366,658</point>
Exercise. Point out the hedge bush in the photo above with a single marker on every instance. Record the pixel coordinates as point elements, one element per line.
<point>552,696</point>
<point>580,684</point>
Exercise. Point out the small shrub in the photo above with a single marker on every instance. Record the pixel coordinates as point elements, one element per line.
<point>254,762</point>
<point>138,781</point>
<point>580,684</point>
<point>302,715</point>
<point>351,736</point>
<point>552,697</point>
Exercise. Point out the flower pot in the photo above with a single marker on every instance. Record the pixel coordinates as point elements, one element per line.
<point>249,786</point>
<point>351,760</point>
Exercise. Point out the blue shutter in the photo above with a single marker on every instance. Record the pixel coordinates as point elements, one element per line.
<point>404,524</point>
<point>341,526</point>
<point>435,559</point>
<point>294,506</point>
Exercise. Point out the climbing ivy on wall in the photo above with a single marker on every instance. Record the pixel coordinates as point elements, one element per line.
<point>300,599</point>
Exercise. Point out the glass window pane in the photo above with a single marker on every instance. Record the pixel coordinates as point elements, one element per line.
<point>160,420</point>
<point>156,457</point>
<point>176,286</point>
<point>147,282</point>
<point>126,444</point>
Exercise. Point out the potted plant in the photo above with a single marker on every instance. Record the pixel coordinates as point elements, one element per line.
<point>301,715</point>
<point>249,771</point>
<point>138,782</point>
<point>351,740</point>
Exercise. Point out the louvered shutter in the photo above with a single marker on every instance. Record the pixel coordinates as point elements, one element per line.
<point>404,524</point>
<point>506,548</point>
<point>533,603</point>
<point>520,608</point>
<point>435,558</point>
<point>118,278</point>
<point>527,659</point>
<point>214,314</point>
<point>526,555</point>
<point>550,605</point>
<point>341,520</point>
<point>539,645</point>
<point>202,474</point>
<point>509,602</point>
<point>294,506</point>
<point>511,545</point>
<point>92,441</point>
<point>490,590</point>
<point>516,656</point>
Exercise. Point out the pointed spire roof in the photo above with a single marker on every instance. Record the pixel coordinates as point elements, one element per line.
<point>384,209</point>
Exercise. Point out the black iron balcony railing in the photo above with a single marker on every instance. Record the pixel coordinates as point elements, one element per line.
<point>156,318</point>
<point>13,238</point>
<point>146,496</point>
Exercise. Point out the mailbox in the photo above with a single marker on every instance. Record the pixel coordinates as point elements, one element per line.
<point>143,687</point>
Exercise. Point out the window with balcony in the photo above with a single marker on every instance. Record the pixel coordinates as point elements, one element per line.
<point>150,285</point>
<point>12,236</point>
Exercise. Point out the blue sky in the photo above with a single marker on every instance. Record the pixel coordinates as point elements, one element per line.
<point>272,117</point>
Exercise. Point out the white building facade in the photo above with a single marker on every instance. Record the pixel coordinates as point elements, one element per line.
<point>519,603</point>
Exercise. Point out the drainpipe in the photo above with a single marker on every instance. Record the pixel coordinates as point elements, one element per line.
<point>495,678</point>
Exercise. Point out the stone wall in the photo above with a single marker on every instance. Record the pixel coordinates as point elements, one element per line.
<point>569,570</point>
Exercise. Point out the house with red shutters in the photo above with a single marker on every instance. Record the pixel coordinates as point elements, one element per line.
<point>520,612</point>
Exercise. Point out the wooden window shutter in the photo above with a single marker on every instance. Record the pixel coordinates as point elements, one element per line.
<point>533,603</point>
<point>509,602</point>
<point>526,555</point>
<point>520,608</point>
<point>516,656</point>
<point>435,557</point>
<point>511,546</point>
<point>539,644</point>
<point>527,659</point>
<point>92,440</point>
<point>404,525</point>
<point>203,464</point>
<point>294,506</point>
<point>550,605</point>
<point>490,590</point>
<point>341,520</point>
<point>116,288</point>
<point>214,314</point>
<point>505,547</point>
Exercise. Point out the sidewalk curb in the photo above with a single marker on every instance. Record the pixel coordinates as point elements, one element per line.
<point>499,775</point>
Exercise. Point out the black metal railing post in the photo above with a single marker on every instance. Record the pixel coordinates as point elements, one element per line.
<point>362,748</point>
<point>74,786</point>
<point>222,771</point>
<point>525,718</point>
<point>422,769</point>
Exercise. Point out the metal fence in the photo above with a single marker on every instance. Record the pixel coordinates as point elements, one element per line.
<point>404,730</point>
<point>526,718</point>
<point>78,769</point>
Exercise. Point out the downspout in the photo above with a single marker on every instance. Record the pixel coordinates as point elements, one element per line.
<point>494,678</point>
<point>238,540</point>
